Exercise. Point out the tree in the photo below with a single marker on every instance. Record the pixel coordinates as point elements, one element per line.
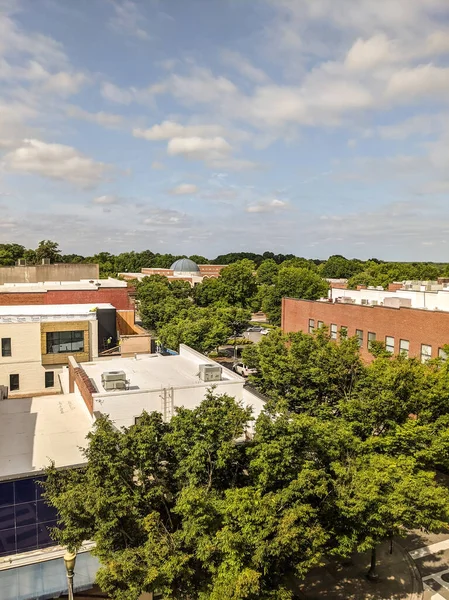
<point>339,267</point>
<point>208,292</point>
<point>238,283</point>
<point>267,271</point>
<point>292,282</point>
<point>48,249</point>
<point>306,373</point>
<point>378,497</point>
<point>199,328</point>
<point>199,260</point>
<point>10,253</point>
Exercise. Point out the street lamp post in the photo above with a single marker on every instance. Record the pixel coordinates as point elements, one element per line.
<point>69,560</point>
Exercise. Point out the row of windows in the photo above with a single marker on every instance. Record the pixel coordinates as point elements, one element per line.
<point>14,380</point>
<point>404,345</point>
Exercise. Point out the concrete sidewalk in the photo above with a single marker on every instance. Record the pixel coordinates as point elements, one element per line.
<point>398,578</point>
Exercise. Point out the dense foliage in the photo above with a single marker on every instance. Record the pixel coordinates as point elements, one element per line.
<point>370,272</point>
<point>343,457</point>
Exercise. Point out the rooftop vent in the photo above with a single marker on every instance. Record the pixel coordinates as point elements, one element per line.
<point>210,372</point>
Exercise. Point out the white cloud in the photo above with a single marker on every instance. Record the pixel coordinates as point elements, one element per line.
<point>184,188</point>
<point>128,20</point>
<point>63,83</point>
<point>423,80</point>
<point>270,206</point>
<point>244,66</point>
<point>55,161</point>
<point>170,129</point>
<point>14,41</point>
<point>366,54</point>
<point>100,118</point>
<point>106,200</point>
<point>199,148</point>
<point>116,94</point>
<point>161,217</point>
<point>419,125</point>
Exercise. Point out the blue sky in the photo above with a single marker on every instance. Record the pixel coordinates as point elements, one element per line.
<point>313,127</point>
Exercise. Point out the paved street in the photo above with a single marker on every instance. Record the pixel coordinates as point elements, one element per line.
<point>431,556</point>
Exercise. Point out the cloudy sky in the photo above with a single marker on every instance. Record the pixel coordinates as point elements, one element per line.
<point>205,126</point>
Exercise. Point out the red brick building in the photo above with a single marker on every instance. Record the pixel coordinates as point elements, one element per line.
<point>417,332</point>
<point>121,297</point>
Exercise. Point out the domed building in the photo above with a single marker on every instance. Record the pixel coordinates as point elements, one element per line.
<point>184,267</point>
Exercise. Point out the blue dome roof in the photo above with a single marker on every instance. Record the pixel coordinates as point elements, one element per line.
<point>186,265</point>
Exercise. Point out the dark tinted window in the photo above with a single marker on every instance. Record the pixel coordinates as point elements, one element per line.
<point>49,379</point>
<point>6,346</point>
<point>65,341</point>
<point>14,382</point>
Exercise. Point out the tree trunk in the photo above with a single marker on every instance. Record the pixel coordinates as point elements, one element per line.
<point>372,574</point>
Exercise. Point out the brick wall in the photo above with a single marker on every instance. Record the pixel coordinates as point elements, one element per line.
<point>78,377</point>
<point>120,298</point>
<point>22,298</point>
<point>210,270</point>
<point>415,325</point>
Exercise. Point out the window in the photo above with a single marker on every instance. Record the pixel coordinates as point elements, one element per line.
<point>371,338</point>
<point>137,420</point>
<point>13,382</point>
<point>333,331</point>
<point>311,325</point>
<point>65,341</point>
<point>359,336</point>
<point>389,344</point>
<point>344,331</point>
<point>404,347</point>
<point>6,346</point>
<point>442,354</point>
<point>426,352</point>
<point>320,324</point>
<point>49,379</point>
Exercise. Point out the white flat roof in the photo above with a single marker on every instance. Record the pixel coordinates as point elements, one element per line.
<point>152,371</point>
<point>34,431</point>
<point>50,309</point>
<point>82,284</point>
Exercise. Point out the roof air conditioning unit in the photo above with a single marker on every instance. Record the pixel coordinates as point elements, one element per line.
<point>113,376</point>
<point>114,385</point>
<point>209,372</point>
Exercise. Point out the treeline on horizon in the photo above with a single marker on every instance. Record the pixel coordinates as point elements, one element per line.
<point>373,271</point>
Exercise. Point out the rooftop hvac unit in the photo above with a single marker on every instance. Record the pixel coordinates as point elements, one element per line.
<point>374,302</point>
<point>209,372</point>
<point>113,376</point>
<point>114,385</point>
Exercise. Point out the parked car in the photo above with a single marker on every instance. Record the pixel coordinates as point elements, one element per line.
<point>242,369</point>
<point>257,329</point>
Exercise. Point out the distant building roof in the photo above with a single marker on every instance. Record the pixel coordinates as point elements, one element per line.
<point>185,265</point>
<point>44,286</point>
<point>50,312</point>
